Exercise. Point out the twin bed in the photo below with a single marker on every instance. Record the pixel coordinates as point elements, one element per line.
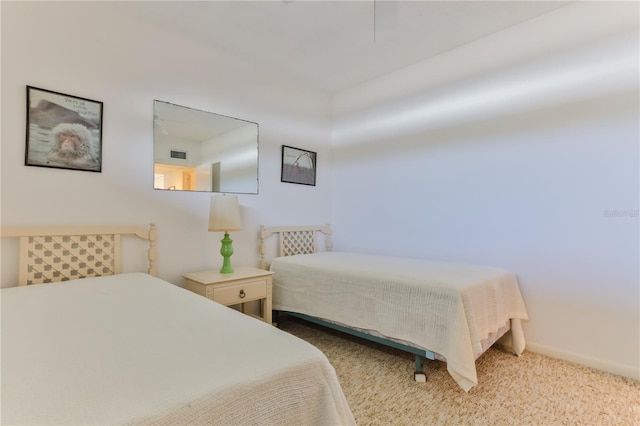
<point>435,310</point>
<point>92,345</point>
<point>129,348</point>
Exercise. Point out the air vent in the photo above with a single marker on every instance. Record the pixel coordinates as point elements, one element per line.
<point>182,155</point>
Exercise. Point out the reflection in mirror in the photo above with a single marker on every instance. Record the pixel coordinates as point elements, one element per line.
<point>200,151</point>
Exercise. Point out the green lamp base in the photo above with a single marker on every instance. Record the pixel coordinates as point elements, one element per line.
<point>226,251</point>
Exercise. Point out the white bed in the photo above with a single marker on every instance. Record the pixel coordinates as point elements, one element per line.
<point>452,312</point>
<point>133,349</point>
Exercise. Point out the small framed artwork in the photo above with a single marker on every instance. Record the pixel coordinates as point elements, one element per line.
<point>298,166</point>
<point>63,131</point>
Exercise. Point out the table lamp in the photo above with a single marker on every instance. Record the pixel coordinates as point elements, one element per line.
<point>224,216</point>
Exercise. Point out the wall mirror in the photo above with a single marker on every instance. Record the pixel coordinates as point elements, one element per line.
<point>195,150</point>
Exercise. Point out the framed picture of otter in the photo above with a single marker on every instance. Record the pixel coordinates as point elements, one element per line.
<point>63,131</point>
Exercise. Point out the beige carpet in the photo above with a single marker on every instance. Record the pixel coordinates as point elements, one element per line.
<point>528,390</point>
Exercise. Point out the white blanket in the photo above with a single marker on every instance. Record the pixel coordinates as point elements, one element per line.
<point>447,308</point>
<point>133,349</point>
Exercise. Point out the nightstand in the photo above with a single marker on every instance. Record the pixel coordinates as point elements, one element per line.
<point>244,285</point>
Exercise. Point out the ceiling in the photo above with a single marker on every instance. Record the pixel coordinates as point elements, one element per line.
<point>334,45</point>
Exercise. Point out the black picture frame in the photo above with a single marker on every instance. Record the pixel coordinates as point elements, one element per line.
<point>63,131</point>
<point>298,166</point>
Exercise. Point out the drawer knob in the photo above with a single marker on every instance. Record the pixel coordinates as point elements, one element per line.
<point>242,294</point>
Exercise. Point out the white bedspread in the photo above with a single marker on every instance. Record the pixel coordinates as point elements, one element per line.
<point>132,349</point>
<point>447,308</point>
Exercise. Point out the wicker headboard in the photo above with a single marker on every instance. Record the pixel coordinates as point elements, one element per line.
<point>294,240</point>
<point>64,253</point>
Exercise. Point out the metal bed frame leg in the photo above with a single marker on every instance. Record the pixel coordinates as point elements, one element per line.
<point>419,375</point>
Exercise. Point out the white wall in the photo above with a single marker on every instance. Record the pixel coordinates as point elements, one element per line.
<point>237,155</point>
<point>519,150</point>
<point>126,63</point>
<point>163,145</point>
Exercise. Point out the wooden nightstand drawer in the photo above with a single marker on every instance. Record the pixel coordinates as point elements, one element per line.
<point>240,293</point>
<point>246,284</point>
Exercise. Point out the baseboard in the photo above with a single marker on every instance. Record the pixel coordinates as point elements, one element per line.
<point>598,364</point>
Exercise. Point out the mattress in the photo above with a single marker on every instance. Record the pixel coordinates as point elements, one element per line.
<point>133,349</point>
<point>447,308</point>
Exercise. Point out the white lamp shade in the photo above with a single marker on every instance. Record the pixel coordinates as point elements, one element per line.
<point>224,213</point>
